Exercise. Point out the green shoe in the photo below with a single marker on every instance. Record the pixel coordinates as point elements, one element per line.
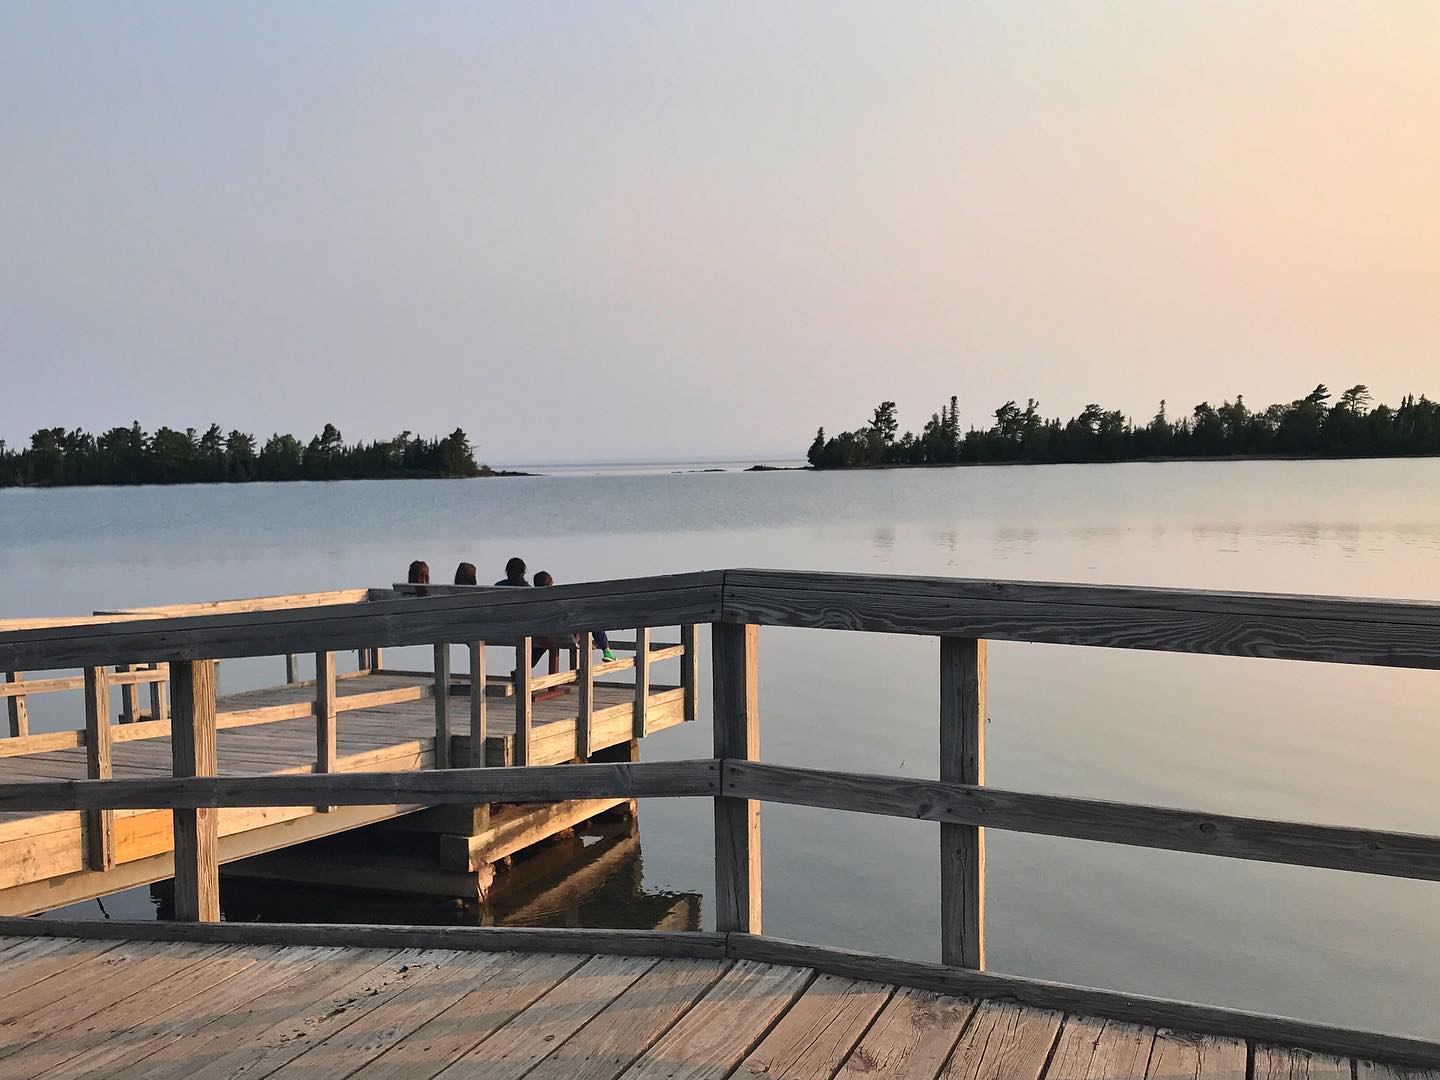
<point>607,656</point>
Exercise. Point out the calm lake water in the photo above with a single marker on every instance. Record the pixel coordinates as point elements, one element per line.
<point>1312,742</point>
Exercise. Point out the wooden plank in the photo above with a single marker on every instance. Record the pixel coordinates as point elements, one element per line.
<point>325,749</point>
<point>1089,1001</point>
<point>1363,851</point>
<point>486,615</point>
<point>516,983</point>
<point>585,681</point>
<point>737,818</point>
<point>1198,1057</point>
<point>532,1035</point>
<point>814,1038</point>
<point>99,824</point>
<point>690,671</point>
<point>1101,1050</point>
<point>1340,638</point>
<point>478,719</point>
<point>44,959</point>
<point>631,1024</point>
<point>685,943</point>
<point>642,680</point>
<point>1284,1063</point>
<point>292,668</point>
<point>517,828</point>
<point>524,707</point>
<point>442,705</point>
<point>437,980</point>
<point>1013,1042</point>
<point>192,749</point>
<point>267,971</point>
<point>962,761</point>
<point>129,696</point>
<point>709,1040</point>
<point>160,694</point>
<point>15,707</point>
<point>249,603</point>
<point>1370,1070</point>
<point>911,1037</point>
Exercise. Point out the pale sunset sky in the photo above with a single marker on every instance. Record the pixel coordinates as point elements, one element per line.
<point>589,231</point>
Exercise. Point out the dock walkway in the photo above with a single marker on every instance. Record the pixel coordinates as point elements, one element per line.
<point>126,1010</point>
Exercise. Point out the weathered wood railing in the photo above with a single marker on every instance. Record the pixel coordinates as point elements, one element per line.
<point>962,614</point>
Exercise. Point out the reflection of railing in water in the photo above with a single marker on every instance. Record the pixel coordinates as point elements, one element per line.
<point>963,614</point>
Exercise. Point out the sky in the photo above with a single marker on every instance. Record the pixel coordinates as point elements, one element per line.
<point>600,232</point>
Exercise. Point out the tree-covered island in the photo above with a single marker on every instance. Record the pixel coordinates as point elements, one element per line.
<point>129,455</point>
<point>1311,426</point>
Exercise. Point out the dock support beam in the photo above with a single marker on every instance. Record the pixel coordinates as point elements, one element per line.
<point>15,706</point>
<point>442,705</point>
<point>962,761</point>
<point>642,683</point>
<point>690,672</point>
<point>734,655</point>
<point>99,824</point>
<point>197,833</point>
<point>325,752</point>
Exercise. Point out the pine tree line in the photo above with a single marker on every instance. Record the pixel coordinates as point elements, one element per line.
<point>57,457</point>
<point>1308,427</point>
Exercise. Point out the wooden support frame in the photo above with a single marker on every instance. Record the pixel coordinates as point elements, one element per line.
<point>160,696</point>
<point>442,705</point>
<point>479,721</point>
<point>292,669</point>
<point>129,695</point>
<point>16,709</point>
<point>734,658</point>
<point>690,671</point>
<point>99,824</point>
<point>524,706</point>
<point>642,681</point>
<point>197,834</point>
<point>585,713</point>
<point>325,716</point>
<point>962,761</point>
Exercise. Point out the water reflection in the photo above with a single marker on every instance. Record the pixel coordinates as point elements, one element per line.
<point>594,878</point>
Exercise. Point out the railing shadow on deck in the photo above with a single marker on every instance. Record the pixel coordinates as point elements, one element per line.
<point>963,614</point>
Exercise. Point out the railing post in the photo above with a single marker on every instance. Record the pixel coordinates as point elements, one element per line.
<point>99,824</point>
<point>690,672</point>
<point>478,719</point>
<point>197,831</point>
<point>324,716</point>
<point>442,705</point>
<point>159,697</point>
<point>520,748</point>
<point>585,714</point>
<point>377,657</point>
<point>16,708</point>
<point>129,696</point>
<point>642,682</point>
<point>734,653</point>
<point>292,676</point>
<point>962,761</point>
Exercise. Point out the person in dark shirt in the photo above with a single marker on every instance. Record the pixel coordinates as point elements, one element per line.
<point>514,574</point>
<point>465,574</point>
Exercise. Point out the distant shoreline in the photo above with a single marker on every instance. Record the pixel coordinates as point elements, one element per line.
<point>1169,460</point>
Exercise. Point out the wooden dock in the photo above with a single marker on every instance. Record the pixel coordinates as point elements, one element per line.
<point>375,721</point>
<point>82,1009</point>
<point>177,999</point>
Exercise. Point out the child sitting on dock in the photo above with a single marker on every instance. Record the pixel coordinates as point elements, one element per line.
<point>465,574</point>
<point>419,575</point>
<point>602,641</point>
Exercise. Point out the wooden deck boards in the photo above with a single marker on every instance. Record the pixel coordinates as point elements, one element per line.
<point>81,1010</point>
<point>38,848</point>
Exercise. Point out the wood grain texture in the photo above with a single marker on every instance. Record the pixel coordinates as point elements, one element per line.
<point>524,702</point>
<point>485,615</point>
<point>585,705</point>
<point>734,663</point>
<point>479,718</point>
<point>99,824</point>
<point>16,710</point>
<point>690,670</point>
<point>642,681</point>
<point>1285,1063</point>
<point>719,1030</point>
<point>632,1023</point>
<point>680,943</point>
<point>1004,1041</point>
<point>1101,1050</point>
<point>818,1032</point>
<point>1365,851</point>
<point>962,761</point>
<point>1322,633</point>
<point>197,836</point>
<point>442,706</point>
<point>912,1036</point>
<point>1196,1057</point>
<point>1088,1001</point>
